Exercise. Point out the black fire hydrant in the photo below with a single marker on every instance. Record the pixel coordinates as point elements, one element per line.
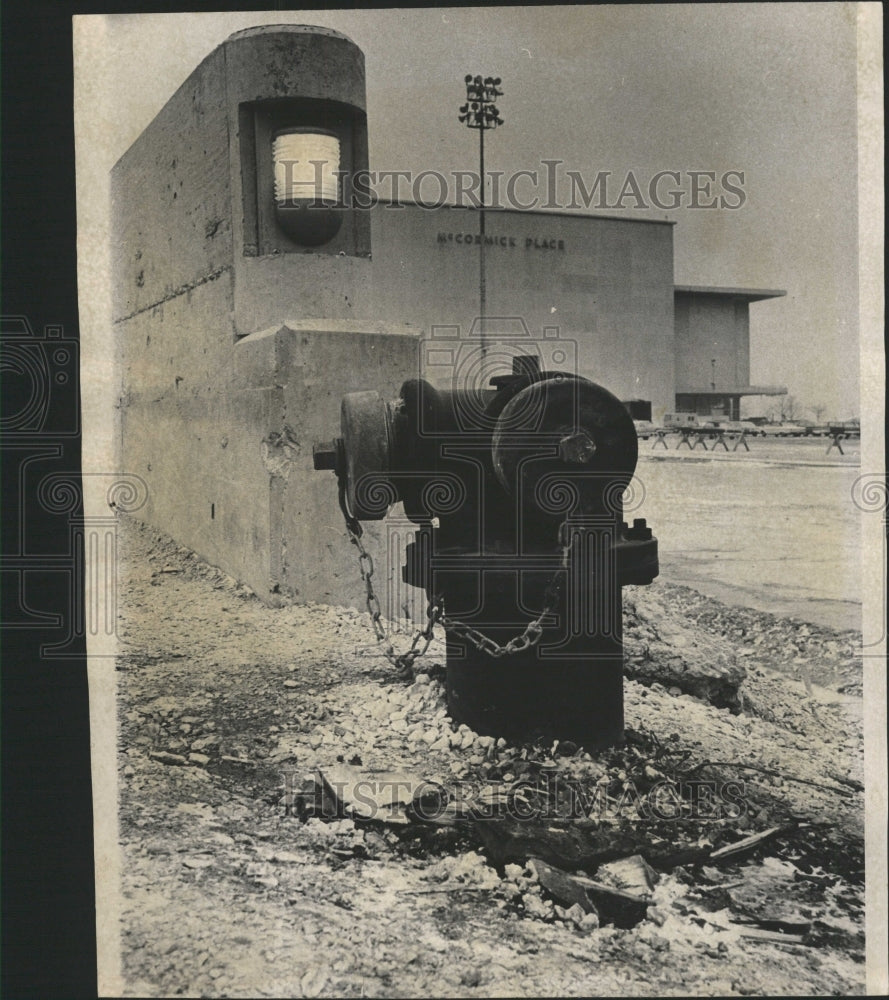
<point>521,546</point>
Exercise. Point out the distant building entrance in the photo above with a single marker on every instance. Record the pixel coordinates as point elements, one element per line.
<point>709,405</point>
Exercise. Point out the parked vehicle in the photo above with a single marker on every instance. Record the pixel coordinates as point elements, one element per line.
<point>673,421</point>
<point>742,427</point>
<point>809,427</point>
<point>644,429</point>
<point>783,430</point>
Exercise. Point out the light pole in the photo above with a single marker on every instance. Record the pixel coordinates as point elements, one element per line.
<point>480,112</point>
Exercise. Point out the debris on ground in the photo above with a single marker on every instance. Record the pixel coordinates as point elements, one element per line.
<point>660,649</point>
<point>291,799</point>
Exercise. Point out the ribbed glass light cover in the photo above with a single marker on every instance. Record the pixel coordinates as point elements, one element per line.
<point>306,161</point>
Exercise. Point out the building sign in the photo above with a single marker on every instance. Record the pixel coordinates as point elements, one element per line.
<point>508,242</point>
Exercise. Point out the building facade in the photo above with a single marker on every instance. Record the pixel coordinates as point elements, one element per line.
<point>249,298</point>
<point>712,327</point>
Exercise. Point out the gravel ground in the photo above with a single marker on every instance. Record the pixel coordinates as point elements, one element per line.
<point>228,706</point>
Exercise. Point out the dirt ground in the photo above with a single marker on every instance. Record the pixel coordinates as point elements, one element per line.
<point>227,706</point>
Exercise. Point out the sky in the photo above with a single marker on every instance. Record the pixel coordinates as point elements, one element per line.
<point>768,90</point>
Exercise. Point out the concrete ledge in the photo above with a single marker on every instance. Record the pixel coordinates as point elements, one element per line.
<point>335,326</point>
<point>228,461</point>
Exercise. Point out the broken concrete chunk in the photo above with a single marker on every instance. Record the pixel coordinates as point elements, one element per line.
<point>198,862</point>
<point>163,757</point>
<point>561,886</point>
<point>205,743</point>
<point>537,907</point>
<point>659,650</point>
<point>287,857</point>
<point>632,874</point>
<point>771,937</point>
<point>575,845</point>
<point>372,795</point>
<point>269,881</point>
<point>573,915</point>
<point>623,909</point>
<point>236,761</point>
<point>312,799</point>
<point>770,895</point>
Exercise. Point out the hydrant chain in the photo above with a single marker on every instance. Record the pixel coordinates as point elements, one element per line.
<point>405,661</point>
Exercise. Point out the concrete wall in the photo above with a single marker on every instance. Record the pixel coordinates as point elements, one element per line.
<point>606,284</point>
<point>232,365</point>
<point>711,327</point>
<point>171,198</point>
<point>267,68</point>
<point>184,194</point>
<point>228,461</point>
<point>304,372</point>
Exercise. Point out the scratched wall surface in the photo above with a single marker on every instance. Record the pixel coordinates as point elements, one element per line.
<point>171,198</point>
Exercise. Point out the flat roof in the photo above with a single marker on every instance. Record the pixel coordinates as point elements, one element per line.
<point>736,390</point>
<point>522,211</point>
<point>748,294</point>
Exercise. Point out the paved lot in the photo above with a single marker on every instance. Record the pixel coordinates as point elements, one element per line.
<point>773,528</point>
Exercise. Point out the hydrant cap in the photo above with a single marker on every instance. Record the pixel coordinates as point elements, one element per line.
<point>586,431</point>
<point>366,433</point>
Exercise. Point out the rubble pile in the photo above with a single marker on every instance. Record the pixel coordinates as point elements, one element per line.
<point>297,821</point>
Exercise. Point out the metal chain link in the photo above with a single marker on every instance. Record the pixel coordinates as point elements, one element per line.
<point>518,644</point>
<point>404,662</point>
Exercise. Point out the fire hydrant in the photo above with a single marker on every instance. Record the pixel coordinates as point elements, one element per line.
<point>521,547</point>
